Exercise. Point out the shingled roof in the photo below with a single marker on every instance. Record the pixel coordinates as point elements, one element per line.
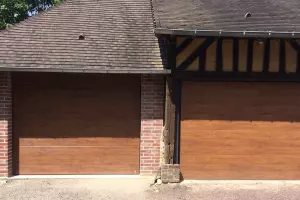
<point>85,35</point>
<point>282,16</point>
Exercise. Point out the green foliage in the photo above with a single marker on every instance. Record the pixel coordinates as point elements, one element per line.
<point>41,5</point>
<point>14,11</point>
<point>56,2</point>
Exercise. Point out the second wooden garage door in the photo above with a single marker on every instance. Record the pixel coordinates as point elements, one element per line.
<point>76,124</point>
<point>240,131</point>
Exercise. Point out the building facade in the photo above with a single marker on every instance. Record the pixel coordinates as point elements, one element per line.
<point>177,89</point>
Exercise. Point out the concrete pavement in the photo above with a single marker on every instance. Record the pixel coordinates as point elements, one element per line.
<point>119,189</point>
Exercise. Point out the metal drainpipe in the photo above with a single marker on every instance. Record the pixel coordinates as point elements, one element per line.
<point>178,121</point>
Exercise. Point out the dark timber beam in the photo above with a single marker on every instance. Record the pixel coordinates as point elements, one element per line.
<point>195,54</point>
<point>202,61</point>
<point>184,45</point>
<point>235,55</point>
<point>219,55</point>
<point>237,76</point>
<point>169,122</point>
<point>250,55</point>
<point>171,53</point>
<point>177,121</point>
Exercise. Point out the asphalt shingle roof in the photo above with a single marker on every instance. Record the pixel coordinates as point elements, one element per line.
<point>118,36</point>
<point>228,15</point>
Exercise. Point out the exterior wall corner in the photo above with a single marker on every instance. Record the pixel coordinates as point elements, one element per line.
<point>5,125</point>
<point>152,107</point>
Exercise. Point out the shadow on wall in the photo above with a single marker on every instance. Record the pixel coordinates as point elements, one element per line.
<point>55,105</point>
<point>163,44</point>
<point>241,101</point>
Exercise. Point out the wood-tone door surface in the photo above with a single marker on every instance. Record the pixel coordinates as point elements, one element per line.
<point>76,124</point>
<point>240,131</point>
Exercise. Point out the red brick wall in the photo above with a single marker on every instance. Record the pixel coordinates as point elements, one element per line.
<point>5,125</point>
<point>152,101</point>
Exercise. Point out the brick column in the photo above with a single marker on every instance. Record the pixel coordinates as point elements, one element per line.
<point>152,102</point>
<point>5,125</point>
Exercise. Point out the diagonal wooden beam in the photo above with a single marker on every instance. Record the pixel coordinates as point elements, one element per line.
<point>267,56</point>
<point>296,47</point>
<point>202,61</point>
<point>195,54</point>
<point>184,45</point>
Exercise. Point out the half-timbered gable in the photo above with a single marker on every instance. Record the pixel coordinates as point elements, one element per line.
<point>235,88</point>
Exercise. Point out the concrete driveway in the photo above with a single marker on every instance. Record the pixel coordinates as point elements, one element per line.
<point>118,189</point>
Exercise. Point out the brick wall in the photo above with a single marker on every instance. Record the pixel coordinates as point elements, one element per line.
<point>5,125</point>
<point>152,100</point>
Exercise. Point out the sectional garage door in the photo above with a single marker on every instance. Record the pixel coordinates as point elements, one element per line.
<point>76,124</point>
<point>240,130</point>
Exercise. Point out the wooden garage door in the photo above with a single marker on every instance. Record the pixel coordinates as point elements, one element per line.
<point>240,131</point>
<point>76,124</point>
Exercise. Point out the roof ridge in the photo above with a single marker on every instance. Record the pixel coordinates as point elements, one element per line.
<point>152,13</point>
<point>34,17</point>
<point>155,22</point>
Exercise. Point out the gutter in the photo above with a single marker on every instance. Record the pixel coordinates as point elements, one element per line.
<point>82,70</point>
<point>220,33</point>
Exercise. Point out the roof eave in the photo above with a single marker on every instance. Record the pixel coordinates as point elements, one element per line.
<point>86,70</point>
<point>220,33</point>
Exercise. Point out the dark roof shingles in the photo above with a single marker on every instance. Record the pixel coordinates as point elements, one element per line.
<point>228,15</point>
<point>118,34</point>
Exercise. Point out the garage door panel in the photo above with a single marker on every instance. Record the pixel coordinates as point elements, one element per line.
<point>237,140</point>
<point>88,160</point>
<point>244,174</point>
<point>45,130</point>
<point>67,106</point>
<point>239,87</point>
<point>252,115</point>
<point>240,167</point>
<point>264,132</point>
<point>192,126</point>
<point>91,120</point>
<point>219,167</point>
<point>240,130</point>
<point>239,96</point>
<point>75,81</point>
<point>245,159</point>
<point>44,127</point>
<point>227,99</point>
<point>248,142</point>
<point>256,171</point>
<point>244,150</point>
<point>82,141</point>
